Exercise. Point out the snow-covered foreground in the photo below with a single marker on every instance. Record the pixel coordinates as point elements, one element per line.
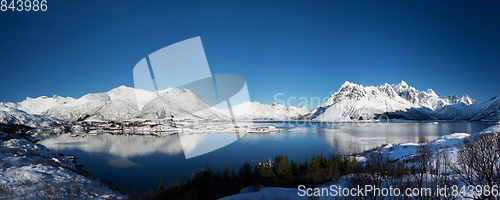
<point>29,171</point>
<point>445,143</point>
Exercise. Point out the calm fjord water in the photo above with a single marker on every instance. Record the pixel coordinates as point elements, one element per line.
<point>138,162</point>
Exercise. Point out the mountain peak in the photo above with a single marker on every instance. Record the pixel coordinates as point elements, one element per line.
<point>403,84</point>
<point>468,100</point>
<point>275,104</point>
<point>431,92</point>
<point>122,87</point>
<point>347,83</point>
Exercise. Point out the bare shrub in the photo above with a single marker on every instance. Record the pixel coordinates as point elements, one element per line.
<point>74,188</point>
<point>49,190</point>
<point>6,192</point>
<point>442,172</point>
<point>377,171</point>
<point>26,183</point>
<point>5,165</point>
<point>424,158</point>
<point>478,159</point>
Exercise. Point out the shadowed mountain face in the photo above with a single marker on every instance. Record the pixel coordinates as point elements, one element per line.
<point>490,110</point>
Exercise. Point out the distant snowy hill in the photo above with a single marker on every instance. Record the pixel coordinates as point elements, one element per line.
<point>120,104</point>
<point>125,103</point>
<point>258,111</point>
<point>356,102</point>
<point>9,115</point>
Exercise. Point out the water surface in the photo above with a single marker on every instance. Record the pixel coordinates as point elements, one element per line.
<point>138,162</point>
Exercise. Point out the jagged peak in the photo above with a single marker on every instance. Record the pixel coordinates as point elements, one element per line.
<point>403,84</point>
<point>402,87</point>
<point>468,100</point>
<point>349,84</point>
<point>277,105</point>
<point>431,92</point>
<point>386,85</point>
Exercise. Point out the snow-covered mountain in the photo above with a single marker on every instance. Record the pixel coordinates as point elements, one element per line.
<point>356,102</point>
<point>258,111</point>
<point>489,110</point>
<point>10,115</point>
<point>124,103</point>
<point>121,103</point>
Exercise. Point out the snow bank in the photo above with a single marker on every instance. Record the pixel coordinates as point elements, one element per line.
<point>29,171</point>
<point>26,147</point>
<point>269,193</point>
<point>494,128</point>
<point>11,115</point>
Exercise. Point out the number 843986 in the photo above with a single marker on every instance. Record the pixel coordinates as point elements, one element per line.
<point>24,5</point>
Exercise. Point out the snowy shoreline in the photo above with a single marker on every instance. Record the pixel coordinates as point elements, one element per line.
<point>152,127</point>
<point>29,171</point>
<point>446,143</point>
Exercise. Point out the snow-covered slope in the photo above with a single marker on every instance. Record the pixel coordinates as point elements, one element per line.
<point>40,104</point>
<point>120,104</point>
<point>29,171</point>
<point>489,110</point>
<point>354,102</point>
<point>10,115</point>
<point>258,111</point>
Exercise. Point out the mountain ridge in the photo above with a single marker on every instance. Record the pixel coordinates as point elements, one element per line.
<point>350,102</point>
<point>125,103</point>
<point>354,102</point>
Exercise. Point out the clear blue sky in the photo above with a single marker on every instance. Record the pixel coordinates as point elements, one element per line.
<point>299,48</point>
